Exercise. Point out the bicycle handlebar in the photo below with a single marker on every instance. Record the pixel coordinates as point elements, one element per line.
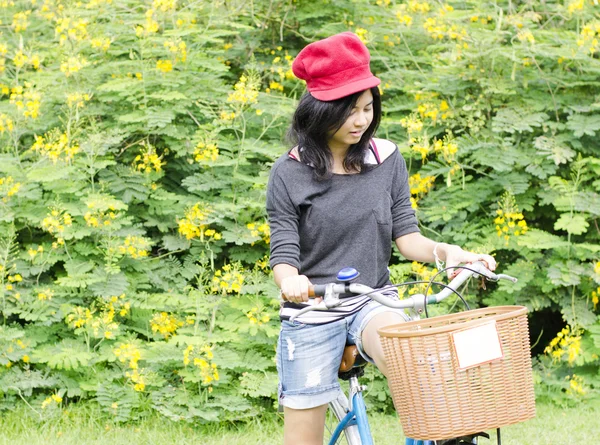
<point>331,291</point>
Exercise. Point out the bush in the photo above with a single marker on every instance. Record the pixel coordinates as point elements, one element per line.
<point>137,140</point>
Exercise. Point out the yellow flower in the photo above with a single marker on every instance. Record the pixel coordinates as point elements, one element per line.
<point>102,43</point>
<point>20,59</point>
<point>164,65</point>
<point>6,123</point>
<point>26,99</point>
<point>55,146</point>
<point>245,90</point>
<point>148,160</point>
<point>73,65</point>
<point>206,152</point>
<point>228,280</point>
<point>71,29</point>
<point>595,299</point>
<point>178,49</point>
<point>526,36</point>
<point>165,324</point>
<point>164,5</point>
<point>20,21</point>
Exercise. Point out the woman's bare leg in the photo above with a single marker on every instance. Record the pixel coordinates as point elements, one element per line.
<point>370,338</point>
<point>304,426</point>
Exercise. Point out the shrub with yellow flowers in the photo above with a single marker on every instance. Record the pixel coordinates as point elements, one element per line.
<point>566,346</point>
<point>129,353</point>
<point>204,152</point>
<point>8,188</point>
<point>245,91</point>
<point>52,401</point>
<point>148,160</point>
<point>228,280</point>
<point>56,146</point>
<point>422,273</point>
<point>194,224</point>
<point>509,220</point>
<point>165,324</point>
<point>6,123</point>
<point>135,247</point>
<point>589,36</point>
<point>27,100</point>
<point>201,358</point>
<point>431,107</point>
<point>56,221</point>
<point>260,230</point>
<point>419,187</point>
<point>258,315</point>
<point>144,136</point>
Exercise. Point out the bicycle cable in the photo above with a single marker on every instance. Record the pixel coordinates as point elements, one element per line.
<point>433,282</point>
<point>410,283</point>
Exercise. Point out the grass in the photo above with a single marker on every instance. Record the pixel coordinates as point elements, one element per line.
<point>82,425</point>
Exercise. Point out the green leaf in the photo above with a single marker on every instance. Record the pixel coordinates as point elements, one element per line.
<point>537,239</point>
<point>573,224</point>
<point>169,96</point>
<point>172,243</point>
<point>106,284</point>
<point>117,401</point>
<point>582,124</point>
<point>68,354</point>
<point>26,381</point>
<point>566,273</point>
<point>258,384</point>
<point>126,184</point>
<point>78,275</point>
<point>554,150</point>
<point>256,361</point>
<point>226,358</point>
<point>49,173</point>
<point>511,120</point>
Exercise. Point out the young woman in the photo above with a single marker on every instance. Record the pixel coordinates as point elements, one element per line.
<point>337,199</point>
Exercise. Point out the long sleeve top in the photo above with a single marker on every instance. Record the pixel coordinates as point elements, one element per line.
<point>320,227</point>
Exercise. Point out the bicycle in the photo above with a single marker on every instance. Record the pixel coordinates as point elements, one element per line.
<point>349,410</point>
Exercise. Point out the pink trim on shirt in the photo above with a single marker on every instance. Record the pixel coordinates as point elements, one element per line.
<point>375,151</point>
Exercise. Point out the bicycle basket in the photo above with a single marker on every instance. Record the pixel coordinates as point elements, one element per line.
<point>435,398</point>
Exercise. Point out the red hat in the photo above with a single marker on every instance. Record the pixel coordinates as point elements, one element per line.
<point>335,67</point>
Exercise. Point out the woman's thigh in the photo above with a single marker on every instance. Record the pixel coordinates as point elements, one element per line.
<point>371,342</point>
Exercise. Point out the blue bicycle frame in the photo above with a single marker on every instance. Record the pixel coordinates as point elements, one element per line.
<point>358,416</point>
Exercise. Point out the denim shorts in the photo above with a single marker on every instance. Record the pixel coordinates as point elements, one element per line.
<point>309,356</point>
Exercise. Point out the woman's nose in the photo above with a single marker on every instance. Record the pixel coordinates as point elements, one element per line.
<point>361,120</point>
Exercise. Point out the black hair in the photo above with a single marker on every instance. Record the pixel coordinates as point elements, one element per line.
<point>314,120</point>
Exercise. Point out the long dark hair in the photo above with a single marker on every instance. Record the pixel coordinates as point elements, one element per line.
<point>314,120</point>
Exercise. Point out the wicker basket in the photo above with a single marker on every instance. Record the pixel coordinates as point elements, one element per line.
<point>437,400</point>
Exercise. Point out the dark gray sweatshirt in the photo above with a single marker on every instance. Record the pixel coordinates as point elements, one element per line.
<point>345,221</point>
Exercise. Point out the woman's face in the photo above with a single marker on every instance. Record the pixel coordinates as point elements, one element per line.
<point>357,123</point>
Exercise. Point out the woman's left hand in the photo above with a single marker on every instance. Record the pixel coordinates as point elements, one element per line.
<point>455,255</point>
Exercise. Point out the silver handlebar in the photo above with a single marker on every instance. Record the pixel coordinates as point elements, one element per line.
<point>416,302</point>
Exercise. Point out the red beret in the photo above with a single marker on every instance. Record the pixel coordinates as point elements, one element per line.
<point>335,67</point>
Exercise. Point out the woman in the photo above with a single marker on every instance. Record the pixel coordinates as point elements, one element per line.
<point>337,199</point>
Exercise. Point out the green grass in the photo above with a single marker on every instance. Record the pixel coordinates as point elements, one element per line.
<point>81,425</point>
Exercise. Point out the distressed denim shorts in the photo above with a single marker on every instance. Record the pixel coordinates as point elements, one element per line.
<point>309,356</point>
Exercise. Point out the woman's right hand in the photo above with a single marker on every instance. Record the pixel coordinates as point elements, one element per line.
<point>294,288</point>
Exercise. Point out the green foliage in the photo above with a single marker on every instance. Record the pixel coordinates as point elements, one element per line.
<point>135,145</point>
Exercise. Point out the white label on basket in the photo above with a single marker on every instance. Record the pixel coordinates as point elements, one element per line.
<point>477,345</point>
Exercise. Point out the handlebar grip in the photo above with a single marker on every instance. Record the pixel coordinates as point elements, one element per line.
<point>317,290</point>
